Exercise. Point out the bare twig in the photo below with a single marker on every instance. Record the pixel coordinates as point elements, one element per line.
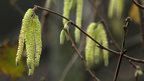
<point>139,5</point>
<point>45,14</point>
<point>122,50</point>
<point>81,57</point>
<point>135,67</point>
<point>110,35</point>
<point>100,46</point>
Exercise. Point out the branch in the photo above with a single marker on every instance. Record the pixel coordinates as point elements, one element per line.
<point>123,51</point>
<point>81,57</point>
<point>72,61</point>
<point>112,51</point>
<point>139,5</point>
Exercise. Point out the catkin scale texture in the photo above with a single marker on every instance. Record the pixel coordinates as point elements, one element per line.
<point>20,46</point>
<point>103,39</point>
<point>38,42</point>
<point>30,41</point>
<point>66,10</point>
<point>90,45</point>
<point>30,35</point>
<point>62,37</point>
<point>79,12</point>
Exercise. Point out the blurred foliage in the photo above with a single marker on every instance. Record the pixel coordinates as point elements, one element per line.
<point>7,62</point>
<point>134,13</point>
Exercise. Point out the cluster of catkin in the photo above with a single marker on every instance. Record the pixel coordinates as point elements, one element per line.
<point>30,37</point>
<point>92,52</point>
<point>95,30</point>
<point>115,8</point>
<point>66,13</point>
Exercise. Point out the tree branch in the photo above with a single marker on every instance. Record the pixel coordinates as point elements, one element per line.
<point>81,57</point>
<point>123,51</point>
<point>102,47</point>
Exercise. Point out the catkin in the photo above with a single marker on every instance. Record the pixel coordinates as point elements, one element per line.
<point>119,7</point>
<point>29,39</point>
<point>115,8</point>
<point>30,35</point>
<point>97,50</point>
<point>111,8</point>
<point>66,13</point>
<point>103,39</point>
<point>20,46</point>
<point>66,10</point>
<point>79,12</point>
<point>62,37</point>
<point>90,45</point>
<point>63,34</point>
<point>38,42</point>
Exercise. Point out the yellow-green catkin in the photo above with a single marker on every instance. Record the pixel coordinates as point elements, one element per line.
<point>63,34</point>
<point>29,38</point>
<point>62,37</point>
<point>111,8</point>
<point>97,50</point>
<point>20,46</point>
<point>38,41</point>
<point>90,45</point>
<point>104,42</point>
<point>115,8</point>
<point>79,11</point>
<point>119,7</point>
<point>66,11</point>
<point>30,35</point>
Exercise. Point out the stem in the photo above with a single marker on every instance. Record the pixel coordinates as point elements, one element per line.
<point>81,57</point>
<point>122,49</point>
<point>139,5</point>
<point>102,47</point>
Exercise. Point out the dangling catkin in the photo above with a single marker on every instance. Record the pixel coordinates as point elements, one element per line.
<point>63,34</point>
<point>62,37</point>
<point>29,38</point>
<point>111,8</point>
<point>79,12</point>
<point>90,45</point>
<point>20,46</point>
<point>115,8</point>
<point>119,7</point>
<point>103,38</point>
<point>38,42</point>
<point>97,50</point>
<point>30,35</point>
<point>66,11</point>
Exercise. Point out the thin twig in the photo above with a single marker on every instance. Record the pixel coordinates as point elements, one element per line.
<point>110,35</point>
<point>99,45</point>
<point>136,67</point>
<point>133,65</point>
<point>112,51</point>
<point>45,14</point>
<point>139,5</point>
<point>122,50</point>
<point>81,57</point>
